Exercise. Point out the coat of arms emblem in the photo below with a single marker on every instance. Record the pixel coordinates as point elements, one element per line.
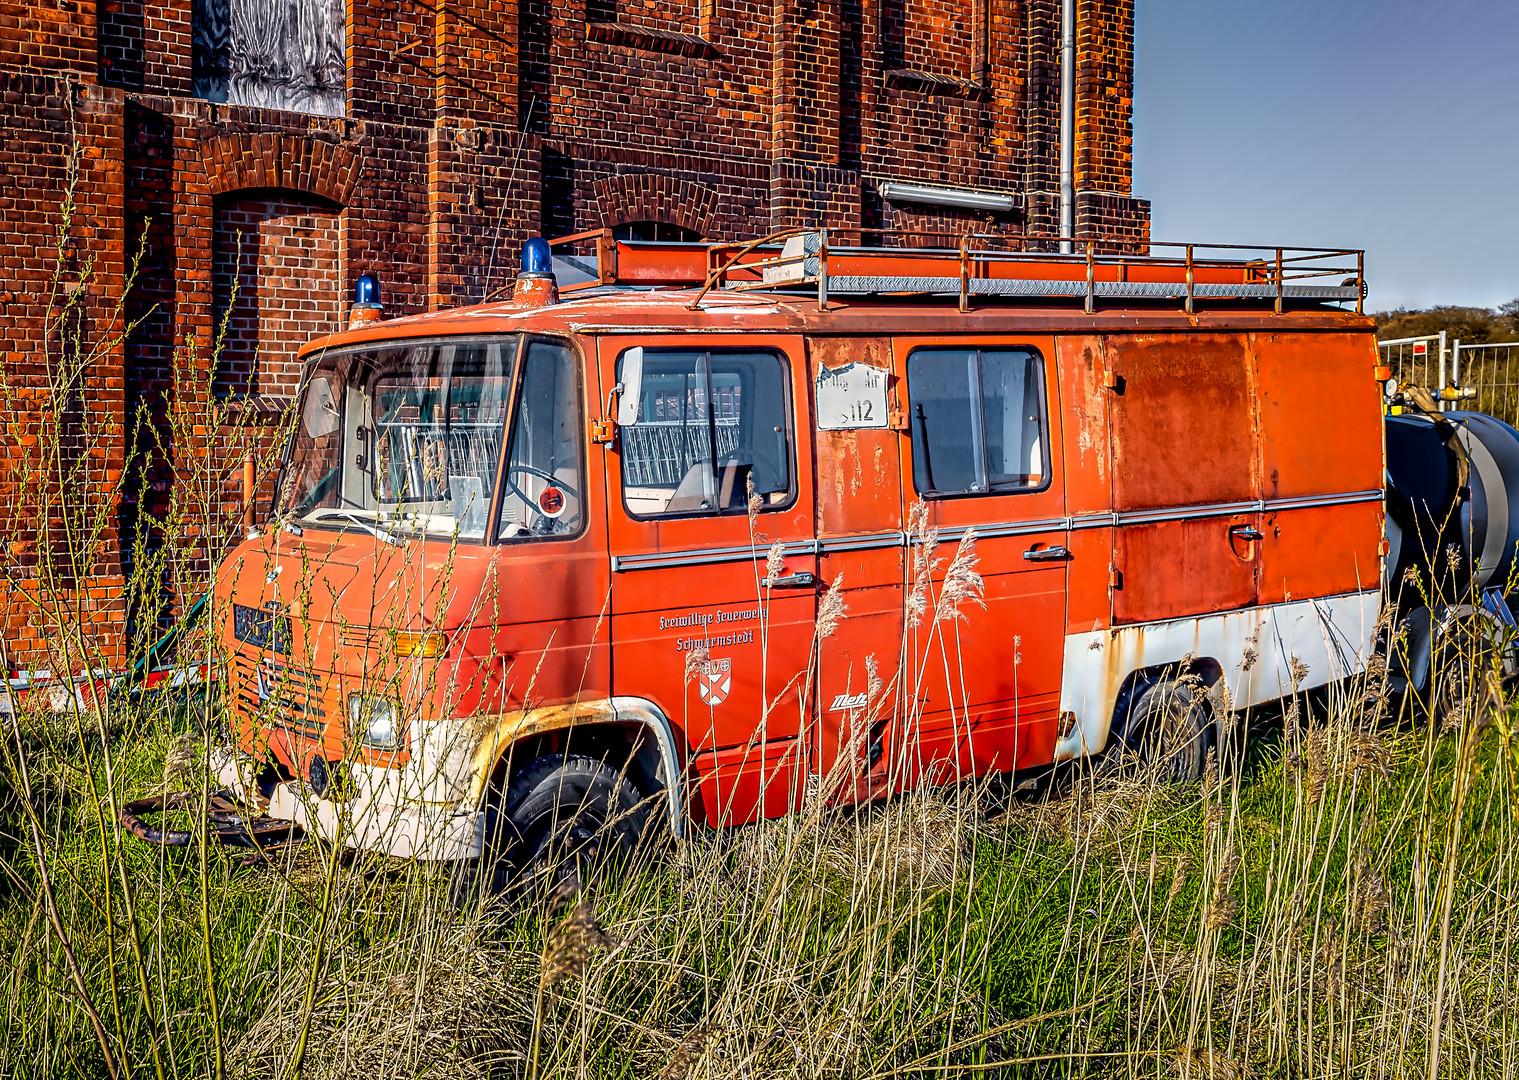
<point>715,680</point>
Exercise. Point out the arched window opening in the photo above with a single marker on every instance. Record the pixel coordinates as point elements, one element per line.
<point>655,230</point>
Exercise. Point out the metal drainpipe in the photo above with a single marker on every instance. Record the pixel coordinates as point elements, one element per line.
<point>1067,123</point>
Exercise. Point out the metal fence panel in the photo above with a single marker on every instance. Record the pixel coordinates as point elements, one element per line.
<point>1491,368</point>
<point>1413,360</point>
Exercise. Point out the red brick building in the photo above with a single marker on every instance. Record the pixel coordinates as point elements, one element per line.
<point>291,148</point>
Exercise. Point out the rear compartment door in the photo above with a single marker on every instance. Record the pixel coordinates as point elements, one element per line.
<point>694,626</point>
<point>982,686</point>
<point>1185,469</point>
<point>1321,447</point>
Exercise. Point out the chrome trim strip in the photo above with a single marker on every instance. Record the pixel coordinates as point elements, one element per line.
<point>833,545</point>
<point>1347,498</point>
<point>996,529</point>
<point>1171,513</point>
<point>651,560</point>
<point>866,542</point>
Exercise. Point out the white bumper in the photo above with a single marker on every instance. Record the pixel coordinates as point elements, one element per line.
<point>372,818</point>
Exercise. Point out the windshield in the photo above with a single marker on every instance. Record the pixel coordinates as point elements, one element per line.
<point>401,440</point>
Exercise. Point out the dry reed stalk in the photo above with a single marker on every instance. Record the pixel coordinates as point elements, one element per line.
<point>571,945</point>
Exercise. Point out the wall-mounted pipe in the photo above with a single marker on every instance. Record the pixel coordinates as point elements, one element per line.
<point>1067,124</point>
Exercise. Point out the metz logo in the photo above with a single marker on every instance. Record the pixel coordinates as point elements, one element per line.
<point>846,702</point>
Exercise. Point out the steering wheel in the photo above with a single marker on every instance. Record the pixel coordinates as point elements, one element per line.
<point>548,478</point>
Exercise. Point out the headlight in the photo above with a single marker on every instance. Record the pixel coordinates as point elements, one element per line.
<point>375,721</point>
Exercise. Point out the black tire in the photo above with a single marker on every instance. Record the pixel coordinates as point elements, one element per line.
<point>1467,646</point>
<point>1169,727</point>
<point>560,817</point>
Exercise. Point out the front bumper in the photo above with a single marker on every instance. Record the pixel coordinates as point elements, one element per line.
<point>366,820</point>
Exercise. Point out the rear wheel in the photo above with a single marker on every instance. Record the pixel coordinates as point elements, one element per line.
<point>560,817</point>
<point>1468,646</point>
<point>1168,726</point>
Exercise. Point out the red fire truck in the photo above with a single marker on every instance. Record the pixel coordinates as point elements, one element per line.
<point>701,531</point>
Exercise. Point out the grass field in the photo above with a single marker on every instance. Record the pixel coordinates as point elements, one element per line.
<point>1341,903</point>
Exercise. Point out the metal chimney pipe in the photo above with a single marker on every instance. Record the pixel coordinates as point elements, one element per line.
<point>1067,124</point>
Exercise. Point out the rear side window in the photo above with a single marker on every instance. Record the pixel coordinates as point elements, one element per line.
<point>708,425</point>
<point>978,420</point>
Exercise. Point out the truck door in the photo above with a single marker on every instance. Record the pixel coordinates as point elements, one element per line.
<point>983,685</point>
<point>1185,475</point>
<point>860,552</point>
<point>549,581</point>
<point>702,484</point>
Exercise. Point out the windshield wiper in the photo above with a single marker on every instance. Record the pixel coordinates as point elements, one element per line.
<point>373,529</point>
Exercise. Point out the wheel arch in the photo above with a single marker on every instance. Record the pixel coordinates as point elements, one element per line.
<point>1206,670</point>
<point>634,728</point>
<point>1257,654</point>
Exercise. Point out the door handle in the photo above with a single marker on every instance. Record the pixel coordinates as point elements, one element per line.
<point>1053,553</point>
<point>801,580</point>
<point>1246,532</point>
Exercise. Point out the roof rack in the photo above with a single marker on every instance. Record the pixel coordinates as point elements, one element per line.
<point>969,266</point>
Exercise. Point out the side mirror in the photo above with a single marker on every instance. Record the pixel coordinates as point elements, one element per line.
<point>630,379</point>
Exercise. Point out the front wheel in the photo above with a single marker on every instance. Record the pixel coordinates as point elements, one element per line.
<point>559,816</point>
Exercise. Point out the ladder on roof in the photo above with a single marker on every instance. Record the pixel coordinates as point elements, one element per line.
<point>976,265</point>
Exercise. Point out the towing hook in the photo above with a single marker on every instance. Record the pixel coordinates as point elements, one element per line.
<point>228,822</point>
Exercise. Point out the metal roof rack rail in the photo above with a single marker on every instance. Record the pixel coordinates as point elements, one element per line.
<point>968,266</point>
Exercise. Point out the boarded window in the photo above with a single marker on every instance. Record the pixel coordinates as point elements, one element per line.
<point>282,252</point>
<point>655,230</point>
<point>272,54</point>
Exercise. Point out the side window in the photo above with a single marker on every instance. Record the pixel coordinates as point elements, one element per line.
<point>544,480</point>
<point>709,424</point>
<point>978,420</point>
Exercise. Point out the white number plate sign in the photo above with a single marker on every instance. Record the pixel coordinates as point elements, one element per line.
<point>852,396</point>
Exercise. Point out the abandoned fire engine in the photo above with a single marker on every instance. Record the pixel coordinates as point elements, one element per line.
<point>551,565</point>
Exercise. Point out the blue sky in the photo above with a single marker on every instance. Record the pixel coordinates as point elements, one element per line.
<point>1390,125</point>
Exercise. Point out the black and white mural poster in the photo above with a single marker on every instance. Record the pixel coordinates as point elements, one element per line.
<point>273,54</point>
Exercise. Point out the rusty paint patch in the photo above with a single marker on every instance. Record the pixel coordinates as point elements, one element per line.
<point>494,734</point>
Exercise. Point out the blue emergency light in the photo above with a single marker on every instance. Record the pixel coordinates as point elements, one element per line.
<point>366,290</point>
<point>536,257</point>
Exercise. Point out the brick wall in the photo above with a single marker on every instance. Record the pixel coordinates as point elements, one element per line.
<point>471,126</point>
<point>61,460</point>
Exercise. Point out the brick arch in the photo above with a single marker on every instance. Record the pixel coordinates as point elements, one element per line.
<point>248,161</point>
<point>651,196</point>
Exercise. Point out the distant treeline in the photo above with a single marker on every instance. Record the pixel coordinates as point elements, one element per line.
<point>1472,325</point>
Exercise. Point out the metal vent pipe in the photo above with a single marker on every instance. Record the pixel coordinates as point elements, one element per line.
<point>1067,123</point>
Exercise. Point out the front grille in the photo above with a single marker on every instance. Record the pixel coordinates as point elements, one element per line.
<point>280,693</point>
<point>263,629</point>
